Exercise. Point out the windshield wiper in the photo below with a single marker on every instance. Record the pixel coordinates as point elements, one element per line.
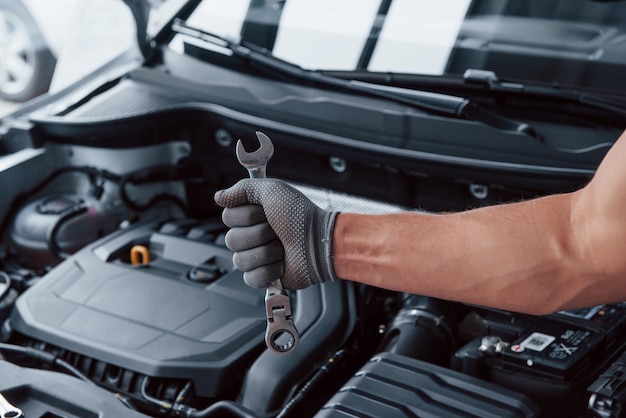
<point>491,81</point>
<point>434,103</point>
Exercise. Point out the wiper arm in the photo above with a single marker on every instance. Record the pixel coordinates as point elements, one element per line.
<point>434,103</point>
<point>492,82</point>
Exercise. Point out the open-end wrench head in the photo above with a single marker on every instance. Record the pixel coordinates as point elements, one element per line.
<point>256,161</point>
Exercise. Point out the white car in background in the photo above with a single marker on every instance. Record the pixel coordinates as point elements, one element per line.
<point>40,49</point>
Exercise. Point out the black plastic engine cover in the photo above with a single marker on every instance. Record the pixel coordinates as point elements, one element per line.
<point>166,318</point>
<point>392,385</point>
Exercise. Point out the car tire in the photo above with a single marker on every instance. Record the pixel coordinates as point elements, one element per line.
<point>26,62</point>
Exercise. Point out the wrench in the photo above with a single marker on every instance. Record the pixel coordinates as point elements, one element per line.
<point>281,335</point>
<point>9,411</point>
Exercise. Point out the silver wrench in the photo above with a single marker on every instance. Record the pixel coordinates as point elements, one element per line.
<point>9,411</point>
<point>281,335</point>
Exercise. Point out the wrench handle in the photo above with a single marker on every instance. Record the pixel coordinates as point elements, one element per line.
<point>257,172</point>
<point>7,410</point>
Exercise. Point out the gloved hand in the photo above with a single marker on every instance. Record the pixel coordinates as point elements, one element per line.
<point>277,233</point>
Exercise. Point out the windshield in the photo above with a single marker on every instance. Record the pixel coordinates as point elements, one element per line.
<point>569,42</point>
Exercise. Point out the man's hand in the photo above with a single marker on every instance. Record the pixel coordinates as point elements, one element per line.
<point>277,233</point>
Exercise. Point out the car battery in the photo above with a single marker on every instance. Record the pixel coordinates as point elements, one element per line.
<point>555,349</point>
<point>554,359</point>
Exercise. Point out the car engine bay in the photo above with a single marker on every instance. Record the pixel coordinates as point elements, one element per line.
<point>118,296</point>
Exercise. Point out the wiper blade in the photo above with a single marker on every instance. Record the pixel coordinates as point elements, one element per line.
<point>492,82</point>
<point>434,103</point>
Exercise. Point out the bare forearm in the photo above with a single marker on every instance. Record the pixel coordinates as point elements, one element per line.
<point>520,256</point>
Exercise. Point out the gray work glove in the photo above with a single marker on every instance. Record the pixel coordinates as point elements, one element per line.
<point>277,233</point>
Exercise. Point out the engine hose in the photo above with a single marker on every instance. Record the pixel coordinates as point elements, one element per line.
<point>45,358</point>
<point>158,402</point>
<point>160,173</point>
<point>218,409</point>
<point>51,236</point>
<point>182,395</point>
<point>330,363</point>
<point>422,330</point>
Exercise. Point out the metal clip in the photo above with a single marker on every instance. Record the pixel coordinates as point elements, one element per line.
<point>281,335</point>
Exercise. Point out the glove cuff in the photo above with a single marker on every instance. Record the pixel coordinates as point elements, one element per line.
<point>326,269</point>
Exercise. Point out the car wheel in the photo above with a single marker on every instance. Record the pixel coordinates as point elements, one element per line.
<point>26,63</point>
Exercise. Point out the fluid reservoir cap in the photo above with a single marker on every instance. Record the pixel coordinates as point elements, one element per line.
<point>58,204</point>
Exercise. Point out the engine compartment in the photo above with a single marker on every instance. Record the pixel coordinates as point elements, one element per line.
<point>114,270</point>
<point>163,316</point>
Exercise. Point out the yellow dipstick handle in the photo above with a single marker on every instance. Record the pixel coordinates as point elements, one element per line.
<point>139,255</point>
